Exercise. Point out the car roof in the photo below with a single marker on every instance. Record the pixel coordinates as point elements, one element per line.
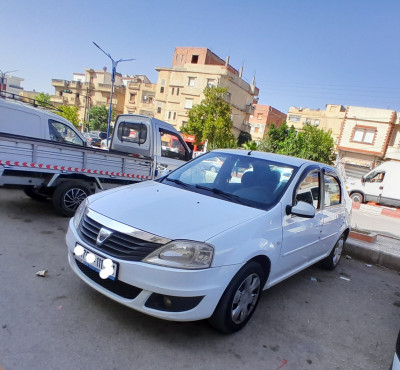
<point>292,161</point>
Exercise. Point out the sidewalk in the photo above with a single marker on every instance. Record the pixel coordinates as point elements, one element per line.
<point>385,251</point>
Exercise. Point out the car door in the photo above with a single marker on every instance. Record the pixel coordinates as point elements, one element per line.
<point>372,186</point>
<point>302,236</point>
<point>174,152</point>
<point>334,212</point>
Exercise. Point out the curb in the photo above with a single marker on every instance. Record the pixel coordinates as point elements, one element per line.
<point>377,209</point>
<point>366,253</point>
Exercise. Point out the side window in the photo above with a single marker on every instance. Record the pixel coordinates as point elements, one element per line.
<point>375,177</point>
<point>134,132</point>
<point>333,194</point>
<point>63,134</point>
<point>171,146</point>
<point>309,190</point>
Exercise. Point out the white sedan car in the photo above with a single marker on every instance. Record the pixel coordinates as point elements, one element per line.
<point>199,245</point>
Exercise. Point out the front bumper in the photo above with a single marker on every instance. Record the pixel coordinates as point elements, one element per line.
<point>167,293</point>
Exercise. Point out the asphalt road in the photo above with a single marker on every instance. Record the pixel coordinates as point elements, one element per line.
<point>314,320</point>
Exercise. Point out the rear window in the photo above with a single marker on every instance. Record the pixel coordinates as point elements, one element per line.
<point>133,132</point>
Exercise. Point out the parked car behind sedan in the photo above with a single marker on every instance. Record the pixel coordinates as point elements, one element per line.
<point>197,244</point>
<point>93,139</point>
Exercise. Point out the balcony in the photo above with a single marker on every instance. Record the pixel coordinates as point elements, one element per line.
<point>103,87</point>
<point>75,84</point>
<point>61,83</point>
<point>58,99</point>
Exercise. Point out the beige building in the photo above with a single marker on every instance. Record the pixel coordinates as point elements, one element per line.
<point>368,137</point>
<point>329,119</point>
<point>139,96</point>
<point>92,88</point>
<point>181,86</point>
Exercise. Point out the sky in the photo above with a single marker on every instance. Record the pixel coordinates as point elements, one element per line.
<point>303,53</point>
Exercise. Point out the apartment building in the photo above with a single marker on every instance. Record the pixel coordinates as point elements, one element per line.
<point>140,95</point>
<point>181,86</point>
<point>11,84</point>
<point>260,121</point>
<point>368,137</point>
<point>329,119</point>
<point>92,88</point>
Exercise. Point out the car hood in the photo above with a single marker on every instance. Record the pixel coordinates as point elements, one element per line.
<point>171,212</point>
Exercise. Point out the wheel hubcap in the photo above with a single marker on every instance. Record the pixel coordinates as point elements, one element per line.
<point>356,198</point>
<point>338,251</point>
<point>73,198</point>
<point>245,298</point>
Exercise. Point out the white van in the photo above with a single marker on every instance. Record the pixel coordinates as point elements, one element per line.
<point>380,185</point>
<point>18,118</point>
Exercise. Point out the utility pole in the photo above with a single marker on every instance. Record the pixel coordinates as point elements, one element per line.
<point>114,69</point>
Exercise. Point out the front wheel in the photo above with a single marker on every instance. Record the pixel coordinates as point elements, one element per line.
<point>240,299</point>
<point>333,259</point>
<point>357,197</point>
<point>67,197</point>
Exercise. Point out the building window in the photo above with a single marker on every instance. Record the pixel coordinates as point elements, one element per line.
<point>188,103</point>
<point>158,109</point>
<point>172,91</point>
<point>191,81</point>
<point>294,118</point>
<point>364,135</point>
<point>132,98</point>
<point>150,100</point>
<point>174,116</point>
<point>161,89</point>
<point>256,129</point>
<point>163,82</point>
<point>183,58</point>
<point>316,122</point>
<point>259,115</point>
<point>176,57</point>
<point>195,59</point>
<point>210,82</point>
<point>177,91</point>
<point>169,115</point>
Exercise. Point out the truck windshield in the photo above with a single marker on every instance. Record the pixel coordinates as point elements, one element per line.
<point>247,180</point>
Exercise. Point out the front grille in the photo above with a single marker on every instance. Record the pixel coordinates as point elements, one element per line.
<point>118,287</point>
<point>118,245</point>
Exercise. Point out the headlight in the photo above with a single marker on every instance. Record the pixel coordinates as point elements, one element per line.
<point>184,254</point>
<point>80,212</point>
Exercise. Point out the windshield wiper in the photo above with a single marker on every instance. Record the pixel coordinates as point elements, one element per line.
<point>179,182</point>
<point>221,192</point>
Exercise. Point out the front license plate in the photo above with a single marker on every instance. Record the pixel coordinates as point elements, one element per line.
<point>95,262</point>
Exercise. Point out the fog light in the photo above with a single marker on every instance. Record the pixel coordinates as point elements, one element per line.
<point>167,302</point>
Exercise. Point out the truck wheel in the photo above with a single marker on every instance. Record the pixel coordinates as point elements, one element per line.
<point>32,193</point>
<point>239,300</point>
<point>357,197</point>
<point>67,197</point>
<point>330,262</point>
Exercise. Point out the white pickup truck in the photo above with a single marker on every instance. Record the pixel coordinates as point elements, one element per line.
<point>45,155</point>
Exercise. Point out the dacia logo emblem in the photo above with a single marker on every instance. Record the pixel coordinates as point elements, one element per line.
<point>103,235</point>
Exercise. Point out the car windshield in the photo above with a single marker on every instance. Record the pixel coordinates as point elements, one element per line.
<point>246,180</point>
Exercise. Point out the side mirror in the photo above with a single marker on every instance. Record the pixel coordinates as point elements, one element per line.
<point>301,209</point>
<point>362,180</point>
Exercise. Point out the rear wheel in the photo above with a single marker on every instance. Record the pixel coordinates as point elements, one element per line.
<point>67,197</point>
<point>240,299</point>
<point>357,197</point>
<point>333,259</point>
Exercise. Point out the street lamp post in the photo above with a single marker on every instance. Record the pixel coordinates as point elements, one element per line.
<point>2,77</point>
<point>114,69</point>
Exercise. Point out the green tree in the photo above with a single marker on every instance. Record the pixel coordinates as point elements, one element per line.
<point>43,99</point>
<point>312,143</point>
<point>250,145</point>
<point>98,117</point>
<point>211,120</point>
<point>70,113</point>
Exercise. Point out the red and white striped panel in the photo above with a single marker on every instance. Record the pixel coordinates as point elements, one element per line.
<point>73,169</point>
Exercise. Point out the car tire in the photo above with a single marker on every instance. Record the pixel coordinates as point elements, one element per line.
<point>330,262</point>
<point>67,196</point>
<point>240,299</point>
<point>357,197</point>
<point>32,193</point>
